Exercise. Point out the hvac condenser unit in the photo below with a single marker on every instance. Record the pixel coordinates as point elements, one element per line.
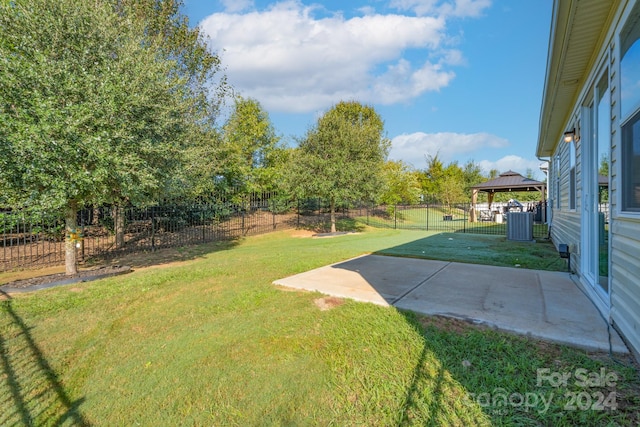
<point>520,226</point>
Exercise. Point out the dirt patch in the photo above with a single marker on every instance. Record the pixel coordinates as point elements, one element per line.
<point>302,233</point>
<point>318,235</point>
<point>327,303</point>
<point>333,234</point>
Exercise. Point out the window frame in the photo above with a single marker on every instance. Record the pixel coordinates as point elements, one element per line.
<point>626,125</point>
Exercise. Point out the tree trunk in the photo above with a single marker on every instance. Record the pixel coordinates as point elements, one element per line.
<point>71,225</point>
<point>118,225</point>
<point>333,215</point>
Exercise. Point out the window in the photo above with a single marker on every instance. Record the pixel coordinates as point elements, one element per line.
<point>630,110</point>
<point>631,164</point>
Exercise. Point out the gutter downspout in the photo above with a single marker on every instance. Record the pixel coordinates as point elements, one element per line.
<point>546,173</point>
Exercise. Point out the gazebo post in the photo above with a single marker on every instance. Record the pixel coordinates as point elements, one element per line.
<point>474,200</point>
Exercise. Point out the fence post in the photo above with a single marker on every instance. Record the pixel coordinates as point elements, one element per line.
<point>82,218</point>
<point>273,213</point>
<point>426,208</point>
<point>298,225</point>
<point>202,208</point>
<point>367,207</point>
<point>153,229</point>
<point>395,217</point>
<point>464,225</point>
<point>242,210</point>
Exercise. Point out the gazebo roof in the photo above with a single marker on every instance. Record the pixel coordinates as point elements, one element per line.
<point>510,181</point>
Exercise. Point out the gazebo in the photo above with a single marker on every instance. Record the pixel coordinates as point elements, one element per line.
<point>508,181</point>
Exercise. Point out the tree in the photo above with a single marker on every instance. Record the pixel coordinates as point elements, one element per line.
<point>401,184</point>
<point>197,177</point>
<point>341,157</point>
<point>168,30</point>
<point>472,175</point>
<point>603,169</point>
<point>251,155</point>
<point>94,107</point>
<point>452,185</point>
<point>432,178</point>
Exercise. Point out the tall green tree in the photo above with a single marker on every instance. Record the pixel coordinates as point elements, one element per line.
<point>92,109</point>
<point>341,157</point>
<point>472,175</point>
<point>432,179</point>
<point>168,30</point>
<point>452,185</point>
<point>401,184</point>
<point>251,156</point>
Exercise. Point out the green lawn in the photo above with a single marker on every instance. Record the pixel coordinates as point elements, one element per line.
<point>481,249</point>
<point>210,341</point>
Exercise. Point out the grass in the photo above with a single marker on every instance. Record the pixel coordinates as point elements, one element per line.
<point>210,341</point>
<point>481,249</point>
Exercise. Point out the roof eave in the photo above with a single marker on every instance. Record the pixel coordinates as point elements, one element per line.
<point>573,49</point>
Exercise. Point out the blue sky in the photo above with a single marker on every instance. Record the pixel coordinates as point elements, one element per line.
<point>459,78</point>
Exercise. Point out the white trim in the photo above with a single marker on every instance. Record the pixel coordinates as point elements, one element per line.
<point>603,306</point>
<point>626,215</point>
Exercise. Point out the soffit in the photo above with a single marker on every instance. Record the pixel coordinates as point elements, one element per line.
<point>578,29</point>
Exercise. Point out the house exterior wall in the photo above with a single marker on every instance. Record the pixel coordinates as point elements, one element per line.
<point>565,222</point>
<point>623,305</point>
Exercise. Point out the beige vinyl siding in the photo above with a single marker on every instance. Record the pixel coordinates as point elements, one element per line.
<point>565,227</point>
<point>625,286</point>
<point>625,296</point>
<point>625,233</point>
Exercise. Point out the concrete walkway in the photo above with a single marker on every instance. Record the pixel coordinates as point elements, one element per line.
<point>541,304</point>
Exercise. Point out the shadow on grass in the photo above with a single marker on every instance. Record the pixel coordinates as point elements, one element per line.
<point>166,255</point>
<point>32,393</point>
<point>415,398</point>
<point>322,224</point>
<point>497,375</point>
<point>481,249</point>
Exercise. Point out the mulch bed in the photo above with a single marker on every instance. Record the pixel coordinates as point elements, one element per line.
<point>41,282</point>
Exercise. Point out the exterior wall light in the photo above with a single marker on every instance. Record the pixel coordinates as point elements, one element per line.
<point>571,135</point>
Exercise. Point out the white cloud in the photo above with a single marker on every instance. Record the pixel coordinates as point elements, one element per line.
<point>233,6</point>
<point>448,146</point>
<point>293,62</point>
<point>514,163</point>
<point>457,8</point>
<point>420,7</point>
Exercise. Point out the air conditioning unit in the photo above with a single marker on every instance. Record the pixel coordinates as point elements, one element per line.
<point>520,226</point>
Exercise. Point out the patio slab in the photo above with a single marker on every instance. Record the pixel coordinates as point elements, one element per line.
<point>541,304</point>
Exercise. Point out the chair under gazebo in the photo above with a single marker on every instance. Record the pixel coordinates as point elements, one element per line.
<point>506,182</point>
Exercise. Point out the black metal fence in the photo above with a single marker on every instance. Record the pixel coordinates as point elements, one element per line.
<point>29,240</point>
<point>455,218</point>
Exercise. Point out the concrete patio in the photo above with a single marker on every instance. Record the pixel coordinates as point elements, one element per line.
<point>541,304</point>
